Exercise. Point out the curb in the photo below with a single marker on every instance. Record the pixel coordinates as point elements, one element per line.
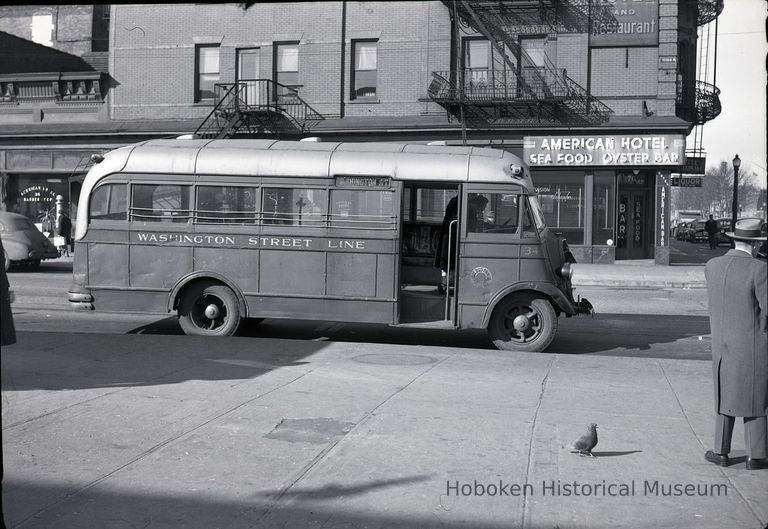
<point>686,285</point>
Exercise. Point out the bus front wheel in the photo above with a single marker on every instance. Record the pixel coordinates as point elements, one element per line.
<point>207,309</point>
<point>522,322</point>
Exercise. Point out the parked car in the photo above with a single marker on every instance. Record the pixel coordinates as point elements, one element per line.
<point>683,231</point>
<point>23,243</point>
<point>723,225</point>
<point>694,232</point>
<point>699,235</point>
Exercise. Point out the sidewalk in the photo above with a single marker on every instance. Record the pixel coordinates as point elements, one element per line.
<point>171,431</point>
<point>639,273</point>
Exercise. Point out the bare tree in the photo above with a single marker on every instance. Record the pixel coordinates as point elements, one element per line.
<point>715,196</point>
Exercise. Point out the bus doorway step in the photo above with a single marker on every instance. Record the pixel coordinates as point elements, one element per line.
<point>439,324</point>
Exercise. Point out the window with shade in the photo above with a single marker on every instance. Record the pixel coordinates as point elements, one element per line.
<point>364,70</point>
<point>476,65</point>
<point>207,66</point>
<point>286,70</point>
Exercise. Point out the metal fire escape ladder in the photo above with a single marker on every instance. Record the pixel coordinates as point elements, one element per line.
<point>550,86</point>
<point>701,102</point>
<point>257,107</point>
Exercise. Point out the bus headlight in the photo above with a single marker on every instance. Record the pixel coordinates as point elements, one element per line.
<point>566,271</point>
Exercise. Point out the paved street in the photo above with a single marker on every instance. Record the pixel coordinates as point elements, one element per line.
<point>631,320</point>
<point>683,252</point>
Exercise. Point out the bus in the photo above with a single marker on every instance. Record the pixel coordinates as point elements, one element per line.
<point>223,230</point>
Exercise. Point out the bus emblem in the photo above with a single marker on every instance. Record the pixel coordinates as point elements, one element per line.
<point>480,276</point>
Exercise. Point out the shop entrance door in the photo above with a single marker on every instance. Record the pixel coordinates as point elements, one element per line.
<point>632,225</point>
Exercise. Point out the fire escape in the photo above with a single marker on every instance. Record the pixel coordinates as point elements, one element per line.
<point>698,101</point>
<point>517,91</point>
<point>257,107</point>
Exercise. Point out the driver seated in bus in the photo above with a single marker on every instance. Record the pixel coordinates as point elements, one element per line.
<point>476,220</point>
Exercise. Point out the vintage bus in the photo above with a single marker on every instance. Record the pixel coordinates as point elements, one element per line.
<point>222,230</point>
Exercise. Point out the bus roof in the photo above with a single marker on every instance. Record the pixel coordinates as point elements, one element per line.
<point>316,159</point>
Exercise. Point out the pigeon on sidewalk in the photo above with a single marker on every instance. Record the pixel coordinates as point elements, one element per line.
<point>584,444</point>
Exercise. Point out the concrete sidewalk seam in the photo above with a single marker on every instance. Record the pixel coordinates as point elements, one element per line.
<point>544,383</point>
<point>328,449</point>
<point>154,449</point>
<point>703,446</point>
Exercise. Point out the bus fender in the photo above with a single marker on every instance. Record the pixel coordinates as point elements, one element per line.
<point>554,294</point>
<point>202,274</point>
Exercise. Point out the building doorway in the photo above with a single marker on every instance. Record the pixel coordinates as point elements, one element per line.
<point>247,72</point>
<point>633,224</point>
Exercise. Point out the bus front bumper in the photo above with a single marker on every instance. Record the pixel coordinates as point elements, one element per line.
<point>583,306</point>
<point>80,299</point>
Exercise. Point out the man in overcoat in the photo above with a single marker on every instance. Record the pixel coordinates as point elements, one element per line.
<point>738,316</point>
<point>711,228</point>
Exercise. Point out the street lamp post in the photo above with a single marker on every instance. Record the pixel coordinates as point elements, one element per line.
<point>735,209</point>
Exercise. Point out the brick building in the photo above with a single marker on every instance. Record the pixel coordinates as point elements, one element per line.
<point>598,96</point>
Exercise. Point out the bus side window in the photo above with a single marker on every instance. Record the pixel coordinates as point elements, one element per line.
<point>357,208</point>
<point>160,203</point>
<point>109,202</point>
<point>294,206</point>
<point>492,212</point>
<point>225,204</point>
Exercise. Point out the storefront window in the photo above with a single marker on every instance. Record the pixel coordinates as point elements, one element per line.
<point>604,208</point>
<point>562,201</point>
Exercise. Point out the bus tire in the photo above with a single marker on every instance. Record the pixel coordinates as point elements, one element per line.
<point>209,309</point>
<point>523,322</point>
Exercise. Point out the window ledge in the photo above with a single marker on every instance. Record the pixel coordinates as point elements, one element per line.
<point>204,104</point>
<point>365,101</point>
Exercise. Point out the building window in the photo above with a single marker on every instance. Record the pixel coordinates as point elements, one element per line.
<point>562,201</point>
<point>531,64</point>
<point>364,70</point>
<point>477,56</point>
<point>603,208</point>
<point>286,70</point>
<point>42,29</point>
<point>207,67</point>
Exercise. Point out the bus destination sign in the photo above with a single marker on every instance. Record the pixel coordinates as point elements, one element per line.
<point>363,181</point>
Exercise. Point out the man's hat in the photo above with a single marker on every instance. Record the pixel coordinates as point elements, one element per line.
<point>748,230</point>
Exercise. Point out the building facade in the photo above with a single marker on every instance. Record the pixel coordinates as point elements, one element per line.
<point>598,97</point>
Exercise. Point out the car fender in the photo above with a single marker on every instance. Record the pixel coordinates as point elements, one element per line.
<point>202,274</point>
<point>16,250</point>
<point>550,291</point>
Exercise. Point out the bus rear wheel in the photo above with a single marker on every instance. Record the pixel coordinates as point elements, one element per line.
<point>522,322</point>
<point>207,309</point>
